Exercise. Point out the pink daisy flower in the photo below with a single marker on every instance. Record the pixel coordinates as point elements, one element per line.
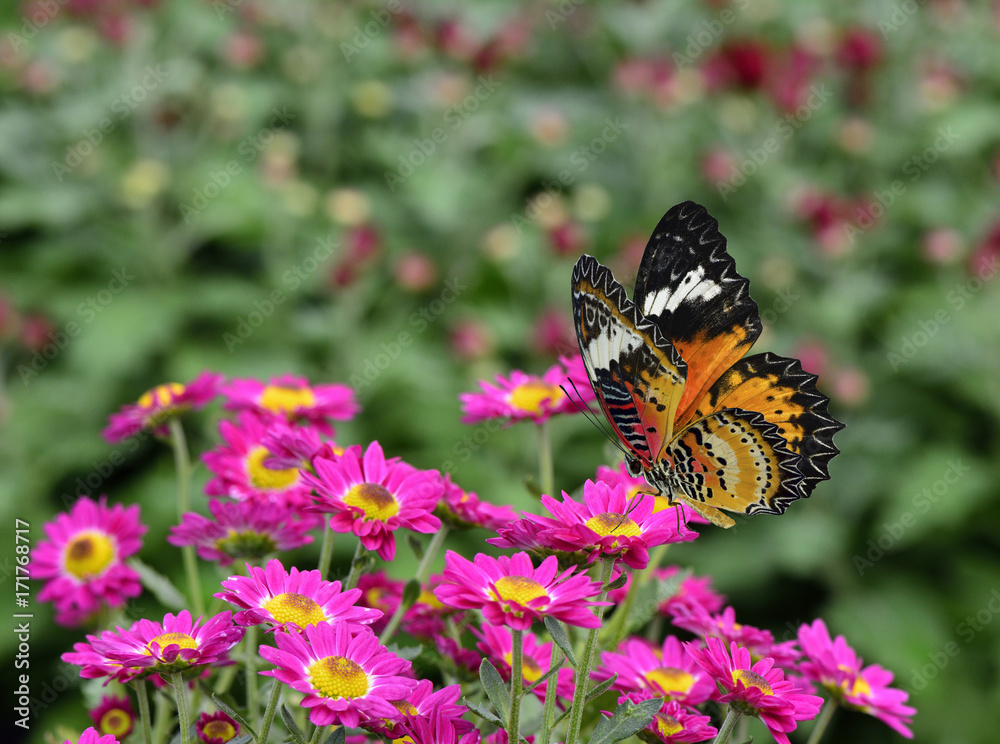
<point>759,689</point>
<point>242,468</point>
<point>439,728</point>
<point>694,593</point>
<point>422,702</point>
<point>82,560</point>
<point>528,535</point>
<point>510,591</point>
<point>345,675</point>
<point>178,644</point>
<point>114,716</point>
<point>461,509</point>
<point>293,398</point>
<point>427,617</point>
<point>294,446</point>
<point>609,523</point>
<point>577,379</point>
<point>216,728</point>
<point>519,397</point>
<point>373,497</point>
<point>93,736</point>
<point>674,724</point>
<point>497,646</point>
<point>293,598</point>
<point>380,592</point>
<point>760,643</point>
<point>157,406</point>
<point>633,486</point>
<point>835,665</point>
<point>669,672</point>
<point>242,530</point>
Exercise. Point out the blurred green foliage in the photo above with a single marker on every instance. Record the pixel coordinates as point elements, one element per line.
<point>260,188</point>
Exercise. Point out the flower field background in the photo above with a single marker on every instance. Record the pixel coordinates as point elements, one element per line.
<point>392,196</point>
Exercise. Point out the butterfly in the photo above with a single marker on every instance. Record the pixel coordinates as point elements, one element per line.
<point>703,423</point>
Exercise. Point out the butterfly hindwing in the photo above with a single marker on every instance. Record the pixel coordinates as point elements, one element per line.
<point>732,460</point>
<point>786,396</point>
<point>688,286</point>
<point>637,375</point>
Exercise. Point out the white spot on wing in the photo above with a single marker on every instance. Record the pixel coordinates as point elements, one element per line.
<point>692,287</point>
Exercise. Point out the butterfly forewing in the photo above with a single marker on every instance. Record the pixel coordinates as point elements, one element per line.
<point>637,375</point>
<point>732,460</point>
<point>687,285</point>
<point>786,396</point>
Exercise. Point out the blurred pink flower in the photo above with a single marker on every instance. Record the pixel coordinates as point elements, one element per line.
<point>157,406</point>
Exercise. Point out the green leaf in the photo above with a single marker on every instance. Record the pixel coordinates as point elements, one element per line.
<point>231,712</point>
<point>649,598</point>
<point>160,586</point>
<point>494,687</point>
<point>618,583</point>
<point>411,592</point>
<point>337,736</point>
<point>560,638</point>
<point>627,720</point>
<point>553,670</point>
<point>293,728</point>
<point>416,546</point>
<point>483,712</point>
<point>600,689</point>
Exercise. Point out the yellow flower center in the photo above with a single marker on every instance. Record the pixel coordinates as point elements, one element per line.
<point>670,679</point>
<point>610,523</point>
<point>405,707</point>
<point>337,677</point>
<point>529,667</point>
<point>88,553</point>
<point>263,477</point>
<point>859,688</point>
<point>427,598</point>
<point>376,501</point>
<point>295,608</point>
<point>752,679</point>
<point>286,399</point>
<point>115,722</point>
<point>166,639</point>
<point>518,589</point>
<point>530,396</point>
<point>219,730</point>
<point>161,396</point>
<point>667,725</point>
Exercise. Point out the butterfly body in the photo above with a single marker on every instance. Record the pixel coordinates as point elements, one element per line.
<point>703,423</point>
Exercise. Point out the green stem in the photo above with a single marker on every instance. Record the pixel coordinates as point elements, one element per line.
<point>356,562</point>
<point>183,715</point>
<point>516,685</point>
<point>182,464</point>
<point>587,660</point>
<point>314,739</point>
<point>253,694</point>
<point>164,719</point>
<point>423,571</point>
<point>546,473</point>
<point>272,706</point>
<point>823,721</point>
<point>549,709</point>
<point>147,732</point>
<point>326,552</point>
<point>732,716</point>
<point>616,630</point>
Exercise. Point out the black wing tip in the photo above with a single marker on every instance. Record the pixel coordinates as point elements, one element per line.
<point>789,489</point>
<point>819,449</point>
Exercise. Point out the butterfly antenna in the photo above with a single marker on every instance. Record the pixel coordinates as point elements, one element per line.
<point>591,416</point>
